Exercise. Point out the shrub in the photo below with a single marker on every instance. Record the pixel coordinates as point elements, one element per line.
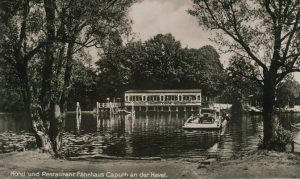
<point>280,139</point>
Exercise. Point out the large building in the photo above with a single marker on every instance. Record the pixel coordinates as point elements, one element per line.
<point>163,100</point>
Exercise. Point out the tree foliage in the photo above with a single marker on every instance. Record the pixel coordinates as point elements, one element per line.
<point>286,93</point>
<point>241,82</point>
<point>160,63</point>
<point>42,40</point>
<point>265,33</point>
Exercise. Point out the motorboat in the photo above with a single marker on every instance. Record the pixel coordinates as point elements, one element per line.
<point>208,119</point>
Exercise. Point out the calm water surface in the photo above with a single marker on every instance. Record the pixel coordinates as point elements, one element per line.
<point>142,135</point>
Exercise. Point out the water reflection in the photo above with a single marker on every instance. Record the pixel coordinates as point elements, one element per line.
<point>14,133</point>
<point>161,134</point>
<point>151,134</point>
<point>14,122</point>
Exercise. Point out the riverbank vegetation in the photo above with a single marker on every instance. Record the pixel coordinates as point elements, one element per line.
<point>269,46</point>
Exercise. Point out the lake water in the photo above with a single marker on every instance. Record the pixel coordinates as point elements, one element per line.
<point>142,135</point>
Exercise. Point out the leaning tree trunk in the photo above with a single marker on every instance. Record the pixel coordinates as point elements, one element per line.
<point>40,129</point>
<point>48,131</point>
<point>40,124</point>
<point>268,109</point>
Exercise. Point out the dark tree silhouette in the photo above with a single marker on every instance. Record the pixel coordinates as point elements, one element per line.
<point>41,40</point>
<point>266,32</point>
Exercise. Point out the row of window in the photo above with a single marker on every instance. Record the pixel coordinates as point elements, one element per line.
<point>132,98</point>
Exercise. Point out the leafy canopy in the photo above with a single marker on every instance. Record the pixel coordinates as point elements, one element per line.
<point>265,32</point>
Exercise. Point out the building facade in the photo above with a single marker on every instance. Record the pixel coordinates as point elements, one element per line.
<point>163,100</point>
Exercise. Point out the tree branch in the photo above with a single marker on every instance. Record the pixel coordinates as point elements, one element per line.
<point>30,54</point>
<point>238,38</point>
<point>292,33</point>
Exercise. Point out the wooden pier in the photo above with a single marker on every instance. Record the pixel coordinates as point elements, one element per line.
<point>108,108</point>
<point>78,117</point>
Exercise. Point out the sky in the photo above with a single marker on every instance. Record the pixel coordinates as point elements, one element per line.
<point>168,16</point>
<point>151,17</point>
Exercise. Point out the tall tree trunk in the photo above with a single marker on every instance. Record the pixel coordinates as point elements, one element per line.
<point>268,109</point>
<point>46,117</point>
<point>34,111</point>
<point>60,108</point>
<point>56,128</point>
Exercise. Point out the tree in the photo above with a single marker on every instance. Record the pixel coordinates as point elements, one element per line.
<point>241,82</point>
<point>286,92</point>
<point>41,40</point>
<point>10,99</point>
<point>202,69</point>
<point>115,69</point>
<point>160,63</point>
<point>266,33</point>
<point>83,88</point>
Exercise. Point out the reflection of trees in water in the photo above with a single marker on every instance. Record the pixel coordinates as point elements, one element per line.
<point>118,148</point>
<point>242,133</point>
<point>14,122</point>
<point>163,136</point>
<point>286,119</point>
<point>156,134</point>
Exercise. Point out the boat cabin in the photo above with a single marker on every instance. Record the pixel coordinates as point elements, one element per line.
<point>209,119</point>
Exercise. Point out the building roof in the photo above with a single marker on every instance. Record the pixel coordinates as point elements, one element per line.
<point>165,91</point>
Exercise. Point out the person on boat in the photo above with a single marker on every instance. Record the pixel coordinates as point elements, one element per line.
<point>225,116</point>
<point>200,120</point>
<point>225,120</point>
<point>191,118</point>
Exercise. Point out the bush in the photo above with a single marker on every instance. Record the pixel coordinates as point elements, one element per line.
<point>279,141</point>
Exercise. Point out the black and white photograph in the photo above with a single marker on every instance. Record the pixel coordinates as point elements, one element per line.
<point>149,89</point>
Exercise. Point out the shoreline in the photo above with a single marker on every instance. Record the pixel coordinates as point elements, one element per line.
<point>253,164</point>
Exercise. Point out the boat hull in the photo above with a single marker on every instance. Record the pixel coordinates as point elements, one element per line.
<point>201,126</point>
<point>208,119</point>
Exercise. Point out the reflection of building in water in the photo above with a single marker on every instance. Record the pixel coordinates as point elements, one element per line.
<point>163,100</point>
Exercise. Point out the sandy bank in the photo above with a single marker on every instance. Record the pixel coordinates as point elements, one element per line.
<point>257,164</point>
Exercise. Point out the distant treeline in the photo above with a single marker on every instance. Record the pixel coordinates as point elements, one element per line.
<point>158,63</point>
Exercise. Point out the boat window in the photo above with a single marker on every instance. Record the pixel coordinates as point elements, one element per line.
<point>206,119</point>
<point>207,111</point>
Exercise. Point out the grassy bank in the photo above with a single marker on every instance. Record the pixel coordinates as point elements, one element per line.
<point>256,164</point>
